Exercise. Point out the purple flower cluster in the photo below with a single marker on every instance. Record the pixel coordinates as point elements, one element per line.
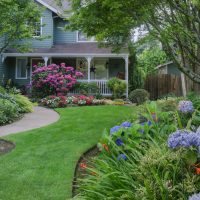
<point>184,138</point>
<point>185,107</point>
<point>123,125</point>
<point>195,197</point>
<point>122,157</point>
<point>119,142</point>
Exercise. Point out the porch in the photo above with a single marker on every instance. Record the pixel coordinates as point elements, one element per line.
<point>96,68</point>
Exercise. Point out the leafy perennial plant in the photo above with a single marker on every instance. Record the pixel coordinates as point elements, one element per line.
<point>136,162</point>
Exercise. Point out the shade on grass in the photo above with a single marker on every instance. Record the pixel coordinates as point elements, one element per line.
<point>42,165</point>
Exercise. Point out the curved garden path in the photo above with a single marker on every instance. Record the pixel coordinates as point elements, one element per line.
<point>39,118</point>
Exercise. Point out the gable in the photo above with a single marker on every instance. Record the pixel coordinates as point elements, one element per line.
<point>54,7</point>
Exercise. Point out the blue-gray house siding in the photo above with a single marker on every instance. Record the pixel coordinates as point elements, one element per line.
<point>62,36</point>
<point>47,32</point>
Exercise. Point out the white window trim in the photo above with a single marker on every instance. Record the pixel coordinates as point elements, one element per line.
<point>41,28</point>
<point>21,78</point>
<point>77,40</point>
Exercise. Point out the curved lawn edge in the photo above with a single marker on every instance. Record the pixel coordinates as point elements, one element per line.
<point>42,164</point>
<point>82,157</point>
<point>41,117</point>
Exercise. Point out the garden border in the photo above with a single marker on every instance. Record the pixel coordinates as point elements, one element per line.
<point>85,154</point>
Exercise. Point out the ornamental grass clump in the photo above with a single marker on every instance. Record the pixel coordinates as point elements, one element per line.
<point>53,79</point>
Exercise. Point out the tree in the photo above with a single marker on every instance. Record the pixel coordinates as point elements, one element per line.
<point>17,22</point>
<point>175,23</point>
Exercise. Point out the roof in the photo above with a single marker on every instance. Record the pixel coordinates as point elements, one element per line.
<point>54,6</point>
<point>73,48</point>
<point>164,65</point>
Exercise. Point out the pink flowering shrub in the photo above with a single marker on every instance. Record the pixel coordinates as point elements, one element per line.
<point>53,79</point>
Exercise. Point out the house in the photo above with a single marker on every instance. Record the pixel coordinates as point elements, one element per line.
<point>70,47</point>
<point>168,68</point>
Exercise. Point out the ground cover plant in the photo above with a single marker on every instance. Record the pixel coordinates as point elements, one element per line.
<point>155,156</point>
<point>42,164</point>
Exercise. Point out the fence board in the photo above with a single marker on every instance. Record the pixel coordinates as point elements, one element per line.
<point>163,84</point>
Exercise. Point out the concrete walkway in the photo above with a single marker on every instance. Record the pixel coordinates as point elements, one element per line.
<point>39,118</point>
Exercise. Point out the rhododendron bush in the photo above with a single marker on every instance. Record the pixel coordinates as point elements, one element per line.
<point>53,79</point>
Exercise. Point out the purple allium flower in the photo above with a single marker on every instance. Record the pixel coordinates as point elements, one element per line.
<point>114,129</point>
<point>185,107</point>
<point>122,157</point>
<point>184,138</point>
<point>126,124</point>
<point>119,142</point>
<point>195,197</point>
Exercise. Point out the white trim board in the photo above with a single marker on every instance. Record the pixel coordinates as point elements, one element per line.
<point>48,6</point>
<point>64,55</point>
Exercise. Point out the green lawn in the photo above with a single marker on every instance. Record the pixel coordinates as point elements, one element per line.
<point>42,165</point>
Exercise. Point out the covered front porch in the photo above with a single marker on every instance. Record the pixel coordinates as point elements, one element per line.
<point>96,68</point>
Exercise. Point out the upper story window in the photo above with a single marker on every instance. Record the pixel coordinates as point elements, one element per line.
<point>81,37</point>
<point>37,28</point>
<point>37,32</point>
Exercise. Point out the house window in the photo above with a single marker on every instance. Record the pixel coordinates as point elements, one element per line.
<point>21,68</point>
<point>37,32</point>
<point>81,37</point>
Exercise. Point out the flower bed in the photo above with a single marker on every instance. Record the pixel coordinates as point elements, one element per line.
<point>156,158</point>
<point>64,101</point>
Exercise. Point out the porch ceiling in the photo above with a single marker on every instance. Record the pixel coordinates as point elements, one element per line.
<point>87,48</point>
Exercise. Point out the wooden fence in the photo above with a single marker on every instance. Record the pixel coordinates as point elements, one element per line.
<point>163,84</point>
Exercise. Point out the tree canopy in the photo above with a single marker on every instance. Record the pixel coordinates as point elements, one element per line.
<point>175,23</point>
<point>17,22</point>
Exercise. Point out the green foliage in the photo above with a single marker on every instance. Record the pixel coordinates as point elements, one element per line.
<point>8,111</point>
<point>2,90</point>
<point>149,59</point>
<point>172,29</point>
<point>149,168</point>
<point>195,98</point>
<point>139,96</point>
<point>14,17</point>
<point>24,104</point>
<point>117,86</point>
<point>88,89</point>
<point>170,104</point>
<point>12,106</point>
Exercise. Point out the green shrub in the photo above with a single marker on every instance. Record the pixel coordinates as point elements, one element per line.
<point>168,105</point>
<point>89,89</point>
<point>117,86</point>
<point>25,105</point>
<point>9,111</point>
<point>2,90</point>
<point>139,96</point>
<point>195,98</point>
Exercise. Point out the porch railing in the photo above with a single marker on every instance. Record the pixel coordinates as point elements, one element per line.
<point>102,84</point>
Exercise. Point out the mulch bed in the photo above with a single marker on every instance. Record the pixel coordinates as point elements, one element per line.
<point>6,146</point>
<point>80,172</point>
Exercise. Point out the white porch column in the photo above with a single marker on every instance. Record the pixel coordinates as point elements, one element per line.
<point>3,58</point>
<point>89,59</point>
<point>46,60</point>
<point>126,74</point>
